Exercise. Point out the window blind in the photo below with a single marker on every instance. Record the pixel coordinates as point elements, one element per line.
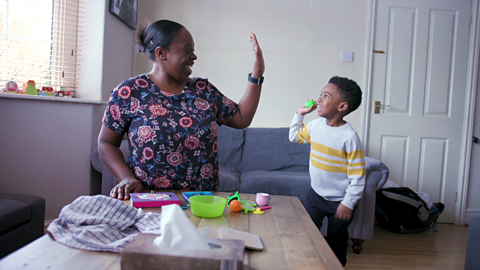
<point>40,40</point>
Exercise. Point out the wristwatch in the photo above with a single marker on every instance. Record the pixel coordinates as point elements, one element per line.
<point>255,80</point>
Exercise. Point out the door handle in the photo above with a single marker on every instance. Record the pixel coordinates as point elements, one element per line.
<point>379,105</point>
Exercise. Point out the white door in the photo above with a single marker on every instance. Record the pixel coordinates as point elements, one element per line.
<point>421,76</point>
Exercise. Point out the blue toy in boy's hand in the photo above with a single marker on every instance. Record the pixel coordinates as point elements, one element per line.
<point>310,103</point>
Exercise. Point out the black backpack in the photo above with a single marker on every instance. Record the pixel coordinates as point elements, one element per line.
<point>401,210</point>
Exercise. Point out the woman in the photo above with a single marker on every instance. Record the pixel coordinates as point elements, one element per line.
<point>170,118</point>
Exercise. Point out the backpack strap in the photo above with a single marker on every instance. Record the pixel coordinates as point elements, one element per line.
<point>422,211</point>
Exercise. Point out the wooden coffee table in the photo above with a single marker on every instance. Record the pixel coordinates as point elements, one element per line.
<point>290,239</point>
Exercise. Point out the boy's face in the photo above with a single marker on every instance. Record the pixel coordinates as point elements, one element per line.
<point>329,103</point>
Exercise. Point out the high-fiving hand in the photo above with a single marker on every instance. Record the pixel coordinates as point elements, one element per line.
<point>259,63</point>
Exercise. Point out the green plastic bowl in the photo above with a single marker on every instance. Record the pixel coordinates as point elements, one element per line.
<point>207,206</point>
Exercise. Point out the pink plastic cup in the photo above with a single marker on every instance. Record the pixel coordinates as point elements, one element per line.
<point>262,199</point>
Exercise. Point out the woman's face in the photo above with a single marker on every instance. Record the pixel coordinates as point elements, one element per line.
<point>180,56</point>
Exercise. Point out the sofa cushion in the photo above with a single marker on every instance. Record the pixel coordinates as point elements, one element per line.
<point>270,149</point>
<point>229,142</point>
<point>276,183</point>
<point>229,179</point>
<point>26,229</point>
<point>12,214</point>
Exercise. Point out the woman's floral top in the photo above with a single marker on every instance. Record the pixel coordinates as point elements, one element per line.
<point>172,138</point>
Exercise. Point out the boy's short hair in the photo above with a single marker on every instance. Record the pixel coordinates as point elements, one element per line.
<point>349,92</point>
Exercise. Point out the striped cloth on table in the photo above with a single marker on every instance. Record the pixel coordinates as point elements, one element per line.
<point>101,223</point>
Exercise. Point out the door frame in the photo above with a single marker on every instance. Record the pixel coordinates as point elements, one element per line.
<point>469,111</point>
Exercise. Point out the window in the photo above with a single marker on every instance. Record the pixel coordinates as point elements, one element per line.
<point>40,41</point>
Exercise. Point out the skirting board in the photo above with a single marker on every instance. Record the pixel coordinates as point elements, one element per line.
<point>471,213</point>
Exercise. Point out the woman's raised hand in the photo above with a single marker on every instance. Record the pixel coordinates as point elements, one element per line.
<point>259,63</point>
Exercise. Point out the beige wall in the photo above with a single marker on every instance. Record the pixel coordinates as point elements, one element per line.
<point>302,42</point>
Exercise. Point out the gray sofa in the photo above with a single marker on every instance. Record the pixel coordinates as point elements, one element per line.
<point>22,219</point>
<point>264,160</point>
<point>472,258</point>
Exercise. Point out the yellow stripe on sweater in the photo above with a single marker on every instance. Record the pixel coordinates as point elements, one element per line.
<point>303,136</point>
<point>333,161</point>
<point>358,164</point>
<point>329,168</point>
<point>328,150</point>
<point>356,154</point>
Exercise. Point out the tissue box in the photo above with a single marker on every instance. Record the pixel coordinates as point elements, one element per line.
<point>153,199</point>
<point>143,254</point>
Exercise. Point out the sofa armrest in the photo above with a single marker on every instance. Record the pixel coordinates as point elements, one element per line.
<point>472,260</point>
<point>377,167</point>
<point>364,217</point>
<point>108,178</point>
<point>96,161</point>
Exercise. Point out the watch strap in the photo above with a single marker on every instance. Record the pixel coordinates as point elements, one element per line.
<point>255,80</point>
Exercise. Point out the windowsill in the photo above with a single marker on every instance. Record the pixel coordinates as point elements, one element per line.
<point>54,99</point>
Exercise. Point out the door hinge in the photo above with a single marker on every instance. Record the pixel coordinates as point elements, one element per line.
<point>456,193</point>
<point>470,19</point>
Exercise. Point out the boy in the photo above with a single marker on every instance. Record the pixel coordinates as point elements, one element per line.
<point>337,163</point>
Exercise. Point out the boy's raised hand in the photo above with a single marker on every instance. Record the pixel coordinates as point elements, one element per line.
<point>304,110</point>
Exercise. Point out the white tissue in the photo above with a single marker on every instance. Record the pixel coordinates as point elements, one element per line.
<point>177,231</point>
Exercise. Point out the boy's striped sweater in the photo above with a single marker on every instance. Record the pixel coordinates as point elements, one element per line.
<point>337,162</point>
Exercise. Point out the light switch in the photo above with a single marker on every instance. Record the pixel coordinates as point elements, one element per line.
<point>347,56</point>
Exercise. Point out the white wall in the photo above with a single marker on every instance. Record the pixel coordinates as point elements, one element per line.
<point>118,54</point>
<point>302,42</point>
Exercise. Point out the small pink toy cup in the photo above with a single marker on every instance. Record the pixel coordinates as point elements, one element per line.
<point>262,199</point>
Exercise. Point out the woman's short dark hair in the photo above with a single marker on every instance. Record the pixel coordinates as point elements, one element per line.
<point>349,92</point>
<point>159,34</point>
